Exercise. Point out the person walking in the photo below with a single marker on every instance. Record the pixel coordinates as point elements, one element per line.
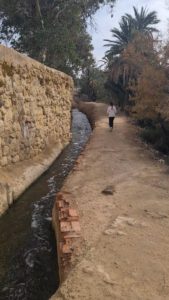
<point>111,111</point>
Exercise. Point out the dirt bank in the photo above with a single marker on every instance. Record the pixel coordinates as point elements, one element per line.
<point>124,231</point>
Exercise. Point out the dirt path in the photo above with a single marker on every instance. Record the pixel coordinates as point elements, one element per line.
<point>126,234</point>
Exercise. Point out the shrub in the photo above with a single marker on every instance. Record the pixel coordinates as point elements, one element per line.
<point>157,137</point>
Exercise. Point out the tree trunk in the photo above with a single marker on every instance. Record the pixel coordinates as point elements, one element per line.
<point>39,14</point>
<point>43,52</point>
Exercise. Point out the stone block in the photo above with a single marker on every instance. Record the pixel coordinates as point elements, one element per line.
<point>3,161</point>
<point>15,159</point>
<point>5,150</point>
<point>7,103</point>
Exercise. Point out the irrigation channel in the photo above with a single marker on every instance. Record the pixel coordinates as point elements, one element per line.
<point>28,258</point>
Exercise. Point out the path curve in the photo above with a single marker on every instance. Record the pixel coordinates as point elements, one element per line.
<point>126,249</point>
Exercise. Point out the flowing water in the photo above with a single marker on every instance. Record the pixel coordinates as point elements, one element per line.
<point>28,258</point>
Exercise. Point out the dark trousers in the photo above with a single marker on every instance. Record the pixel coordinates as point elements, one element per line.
<point>111,122</point>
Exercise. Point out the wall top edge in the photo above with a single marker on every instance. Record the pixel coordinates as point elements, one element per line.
<point>15,58</point>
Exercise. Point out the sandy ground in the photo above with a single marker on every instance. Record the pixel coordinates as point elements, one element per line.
<point>126,251</point>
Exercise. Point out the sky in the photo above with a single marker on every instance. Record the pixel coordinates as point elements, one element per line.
<point>103,21</point>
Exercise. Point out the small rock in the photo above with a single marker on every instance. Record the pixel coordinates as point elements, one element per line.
<point>131,222</point>
<point>88,270</point>
<point>143,224</point>
<point>109,231</point>
<point>122,221</point>
<point>109,190</point>
<point>114,232</point>
<point>121,233</point>
<point>87,267</point>
<point>105,276</point>
<point>109,281</point>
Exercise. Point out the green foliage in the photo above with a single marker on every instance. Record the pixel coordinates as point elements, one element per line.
<point>53,32</point>
<point>151,135</point>
<point>142,22</point>
<point>92,83</point>
<point>157,137</point>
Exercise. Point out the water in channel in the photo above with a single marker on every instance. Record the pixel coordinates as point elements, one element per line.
<point>28,258</point>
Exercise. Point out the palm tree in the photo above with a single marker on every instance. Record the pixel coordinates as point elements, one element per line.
<point>142,22</point>
<point>122,36</point>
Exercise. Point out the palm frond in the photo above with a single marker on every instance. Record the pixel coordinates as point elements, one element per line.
<point>129,25</point>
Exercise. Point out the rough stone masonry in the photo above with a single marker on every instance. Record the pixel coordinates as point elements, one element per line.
<point>35,112</point>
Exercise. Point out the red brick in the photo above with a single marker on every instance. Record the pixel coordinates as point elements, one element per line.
<point>59,196</point>
<point>60,203</point>
<point>66,249</point>
<point>65,226</point>
<point>72,212</point>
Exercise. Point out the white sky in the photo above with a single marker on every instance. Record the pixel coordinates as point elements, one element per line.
<point>104,22</point>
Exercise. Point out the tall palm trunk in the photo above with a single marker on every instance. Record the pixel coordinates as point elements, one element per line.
<point>39,14</point>
<point>43,52</point>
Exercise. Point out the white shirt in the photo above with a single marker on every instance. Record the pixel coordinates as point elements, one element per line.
<point>111,111</point>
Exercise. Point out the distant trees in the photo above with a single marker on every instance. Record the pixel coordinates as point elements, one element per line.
<point>92,84</point>
<point>133,47</point>
<point>51,31</point>
<point>147,79</point>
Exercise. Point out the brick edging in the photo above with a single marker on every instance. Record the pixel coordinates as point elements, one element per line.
<point>65,216</point>
<point>67,230</point>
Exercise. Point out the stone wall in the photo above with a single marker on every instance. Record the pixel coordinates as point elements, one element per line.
<point>35,118</point>
<point>35,104</point>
